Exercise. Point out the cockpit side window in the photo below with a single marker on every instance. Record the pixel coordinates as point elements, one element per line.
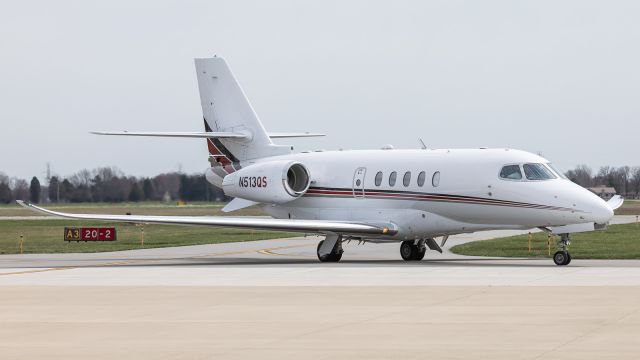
<point>537,172</point>
<point>511,172</point>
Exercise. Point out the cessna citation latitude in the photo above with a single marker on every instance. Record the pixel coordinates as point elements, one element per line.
<point>412,197</point>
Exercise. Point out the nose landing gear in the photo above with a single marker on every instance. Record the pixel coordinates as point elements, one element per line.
<point>562,256</point>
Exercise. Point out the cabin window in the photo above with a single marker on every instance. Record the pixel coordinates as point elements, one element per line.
<point>511,172</point>
<point>406,180</point>
<point>421,177</point>
<point>435,179</point>
<point>537,172</point>
<point>379,178</point>
<point>392,178</point>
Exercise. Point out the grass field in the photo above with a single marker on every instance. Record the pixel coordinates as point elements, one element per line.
<point>630,207</point>
<point>141,208</point>
<point>46,236</point>
<point>618,242</point>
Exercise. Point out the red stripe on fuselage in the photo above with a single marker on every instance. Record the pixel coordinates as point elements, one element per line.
<point>435,197</point>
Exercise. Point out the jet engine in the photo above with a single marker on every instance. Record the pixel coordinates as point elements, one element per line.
<point>274,182</point>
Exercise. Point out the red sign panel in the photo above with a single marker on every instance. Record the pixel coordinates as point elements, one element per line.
<point>90,234</point>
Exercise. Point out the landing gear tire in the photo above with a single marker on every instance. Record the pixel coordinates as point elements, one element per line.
<point>334,256</point>
<point>412,252</point>
<point>562,257</point>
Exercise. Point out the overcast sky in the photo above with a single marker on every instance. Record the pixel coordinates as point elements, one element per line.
<point>560,78</point>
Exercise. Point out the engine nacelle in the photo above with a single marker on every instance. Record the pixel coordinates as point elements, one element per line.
<point>274,182</point>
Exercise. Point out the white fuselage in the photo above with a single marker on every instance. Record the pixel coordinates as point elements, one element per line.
<point>468,196</point>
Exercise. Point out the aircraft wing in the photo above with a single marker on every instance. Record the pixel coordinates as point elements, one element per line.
<point>303,226</point>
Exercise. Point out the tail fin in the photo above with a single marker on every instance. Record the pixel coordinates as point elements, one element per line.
<point>226,109</point>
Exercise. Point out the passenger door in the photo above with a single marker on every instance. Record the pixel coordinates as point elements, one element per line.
<point>358,183</point>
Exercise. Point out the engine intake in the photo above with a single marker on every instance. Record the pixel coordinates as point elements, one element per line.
<point>297,180</point>
<point>275,182</point>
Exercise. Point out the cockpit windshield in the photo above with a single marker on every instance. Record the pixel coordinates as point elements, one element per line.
<point>555,170</point>
<point>537,172</point>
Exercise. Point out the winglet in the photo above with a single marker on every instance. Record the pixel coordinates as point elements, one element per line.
<point>615,202</point>
<point>37,209</point>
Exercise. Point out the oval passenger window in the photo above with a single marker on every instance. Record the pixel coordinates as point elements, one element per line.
<point>406,179</point>
<point>379,178</point>
<point>421,178</point>
<point>392,178</point>
<point>435,180</point>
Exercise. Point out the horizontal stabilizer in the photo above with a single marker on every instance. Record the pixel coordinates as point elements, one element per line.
<point>277,135</point>
<point>204,134</point>
<point>187,134</point>
<point>242,222</point>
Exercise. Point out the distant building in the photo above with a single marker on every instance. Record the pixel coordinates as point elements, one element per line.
<point>605,192</point>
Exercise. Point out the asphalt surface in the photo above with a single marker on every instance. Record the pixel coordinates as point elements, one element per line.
<point>272,299</point>
<point>293,262</point>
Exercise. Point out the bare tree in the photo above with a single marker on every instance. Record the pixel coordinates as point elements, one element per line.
<point>581,175</point>
<point>5,191</point>
<point>168,183</point>
<point>4,179</point>
<point>20,189</point>
<point>622,179</point>
<point>110,184</point>
<point>635,180</point>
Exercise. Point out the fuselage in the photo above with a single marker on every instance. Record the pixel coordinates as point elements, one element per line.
<point>429,193</point>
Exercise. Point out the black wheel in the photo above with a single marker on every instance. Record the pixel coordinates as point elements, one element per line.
<point>331,257</point>
<point>561,258</point>
<point>420,254</point>
<point>407,250</point>
<point>335,257</point>
<point>323,258</point>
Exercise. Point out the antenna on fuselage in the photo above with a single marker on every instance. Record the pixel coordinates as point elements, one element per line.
<point>422,144</point>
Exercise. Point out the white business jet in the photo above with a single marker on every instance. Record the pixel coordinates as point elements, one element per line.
<point>409,196</point>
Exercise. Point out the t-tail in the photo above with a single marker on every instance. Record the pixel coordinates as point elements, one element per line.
<point>226,109</point>
<point>232,129</point>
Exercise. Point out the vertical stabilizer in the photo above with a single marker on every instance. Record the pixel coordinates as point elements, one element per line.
<point>226,109</point>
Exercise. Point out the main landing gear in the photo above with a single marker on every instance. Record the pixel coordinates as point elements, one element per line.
<point>413,250</point>
<point>330,249</point>
<point>562,256</point>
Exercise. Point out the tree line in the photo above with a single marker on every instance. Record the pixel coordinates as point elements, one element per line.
<point>109,184</point>
<point>624,179</point>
